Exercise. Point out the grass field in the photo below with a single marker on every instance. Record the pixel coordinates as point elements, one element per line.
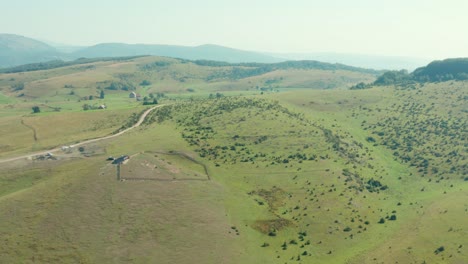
<point>286,174</point>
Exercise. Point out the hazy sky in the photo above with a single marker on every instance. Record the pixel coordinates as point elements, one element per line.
<point>421,28</point>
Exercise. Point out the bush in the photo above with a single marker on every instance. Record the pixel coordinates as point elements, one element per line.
<point>17,87</point>
<point>439,250</point>
<point>87,107</point>
<point>36,109</point>
<point>145,83</point>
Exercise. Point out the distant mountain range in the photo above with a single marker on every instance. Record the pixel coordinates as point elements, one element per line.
<point>204,52</point>
<point>17,50</point>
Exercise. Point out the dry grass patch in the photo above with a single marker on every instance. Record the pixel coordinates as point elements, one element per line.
<point>271,226</point>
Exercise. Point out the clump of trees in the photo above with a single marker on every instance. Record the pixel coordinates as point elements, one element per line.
<point>87,107</point>
<point>375,185</point>
<point>36,109</point>
<point>360,86</point>
<point>155,65</point>
<point>150,102</point>
<point>393,77</point>
<point>120,85</point>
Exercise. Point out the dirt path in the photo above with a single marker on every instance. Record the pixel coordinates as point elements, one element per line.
<point>140,121</point>
<point>30,127</point>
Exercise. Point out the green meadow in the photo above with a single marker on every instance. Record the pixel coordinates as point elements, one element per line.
<point>236,166</point>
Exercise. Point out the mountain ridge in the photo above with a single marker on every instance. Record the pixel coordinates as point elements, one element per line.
<point>18,50</point>
<point>206,52</point>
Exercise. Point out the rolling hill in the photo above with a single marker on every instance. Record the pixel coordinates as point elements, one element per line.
<point>148,74</point>
<point>240,163</point>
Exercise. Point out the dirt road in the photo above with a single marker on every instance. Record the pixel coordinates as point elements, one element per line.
<point>44,152</point>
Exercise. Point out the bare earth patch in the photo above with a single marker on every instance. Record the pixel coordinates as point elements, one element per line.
<point>267,226</point>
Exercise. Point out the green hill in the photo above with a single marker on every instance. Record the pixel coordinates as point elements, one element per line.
<point>59,80</point>
<point>449,69</point>
<point>436,71</point>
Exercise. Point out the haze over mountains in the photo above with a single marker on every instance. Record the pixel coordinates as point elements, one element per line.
<point>17,50</point>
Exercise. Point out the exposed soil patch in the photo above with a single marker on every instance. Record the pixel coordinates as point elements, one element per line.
<point>274,197</point>
<point>158,166</point>
<point>188,157</point>
<point>271,226</point>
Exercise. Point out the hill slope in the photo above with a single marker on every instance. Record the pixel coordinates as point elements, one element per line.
<point>436,71</point>
<point>17,50</point>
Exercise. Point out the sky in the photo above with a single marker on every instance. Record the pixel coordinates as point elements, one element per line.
<point>433,29</point>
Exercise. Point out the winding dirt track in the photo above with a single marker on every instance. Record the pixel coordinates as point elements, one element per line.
<point>140,121</point>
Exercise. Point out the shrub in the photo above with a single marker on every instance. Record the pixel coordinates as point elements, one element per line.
<point>145,83</point>
<point>36,109</point>
<point>439,250</point>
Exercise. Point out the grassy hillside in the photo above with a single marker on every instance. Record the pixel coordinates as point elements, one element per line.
<point>279,174</point>
<point>62,92</point>
<point>165,75</point>
<point>319,173</point>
